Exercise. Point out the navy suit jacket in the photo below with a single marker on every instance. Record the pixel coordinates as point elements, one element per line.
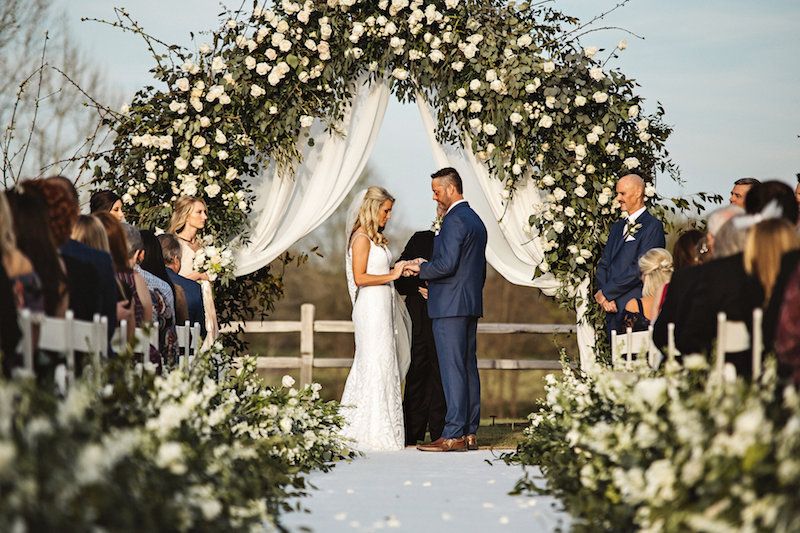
<point>618,273</point>
<point>101,262</point>
<point>194,299</point>
<point>457,269</point>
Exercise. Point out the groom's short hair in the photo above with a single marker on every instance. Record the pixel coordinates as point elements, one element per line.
<point>450,176</point>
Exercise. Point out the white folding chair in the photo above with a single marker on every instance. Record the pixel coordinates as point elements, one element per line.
<point>732,337</point>
<point>143,338</point>
<point>188,342</point>
<point>64,335</point>
<point>633,342</point>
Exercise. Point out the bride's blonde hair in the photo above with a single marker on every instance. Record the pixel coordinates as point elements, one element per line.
<point>180,213</point>
<point>368,214</point>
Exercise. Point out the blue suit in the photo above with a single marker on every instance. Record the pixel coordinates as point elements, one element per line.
<point>106,280</point>
<point>194,299</point>
<point>618,273</point>
<point>455,276</point>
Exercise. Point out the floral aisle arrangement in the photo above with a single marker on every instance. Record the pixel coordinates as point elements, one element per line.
<point>510,80</point>
<point>125,451</point>
<point>680,451</point>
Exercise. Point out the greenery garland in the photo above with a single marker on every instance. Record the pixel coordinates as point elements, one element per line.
<point>512,78</point>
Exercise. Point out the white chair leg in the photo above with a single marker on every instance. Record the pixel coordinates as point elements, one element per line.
<point>722,341</point>
<point>758,316</point>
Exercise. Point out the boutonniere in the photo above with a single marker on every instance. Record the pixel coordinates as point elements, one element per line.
<point>437,225</point>
<point>631,230</point>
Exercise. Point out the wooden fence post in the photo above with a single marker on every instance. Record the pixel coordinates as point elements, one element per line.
<point>306,343</point>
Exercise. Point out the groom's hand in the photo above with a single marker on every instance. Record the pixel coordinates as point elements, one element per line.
<point>412,268</point>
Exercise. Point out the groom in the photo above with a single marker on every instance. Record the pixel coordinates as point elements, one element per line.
<point>455,276</point>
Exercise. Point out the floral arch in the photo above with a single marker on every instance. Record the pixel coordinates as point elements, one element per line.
<point>288,92</point>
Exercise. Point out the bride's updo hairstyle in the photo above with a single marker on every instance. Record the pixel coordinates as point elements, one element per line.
<point>656,268</point>
<point>181,211</point>
<point>368,214</point>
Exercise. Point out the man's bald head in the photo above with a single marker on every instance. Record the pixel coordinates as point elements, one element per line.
<point>630,193</point>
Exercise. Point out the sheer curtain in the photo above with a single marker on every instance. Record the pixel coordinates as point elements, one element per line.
<point>511,251</point>
<point>288,208</point>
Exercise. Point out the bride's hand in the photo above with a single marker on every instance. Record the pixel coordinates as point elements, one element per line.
<point>397,271</point>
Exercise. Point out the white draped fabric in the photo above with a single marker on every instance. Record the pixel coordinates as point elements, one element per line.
<point>512,251</point>
<point>288,208</point>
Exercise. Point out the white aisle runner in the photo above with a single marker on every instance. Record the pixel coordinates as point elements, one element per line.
<point>423,492</point>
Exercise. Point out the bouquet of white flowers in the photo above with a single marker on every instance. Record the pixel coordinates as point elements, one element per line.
<point>215,261</point>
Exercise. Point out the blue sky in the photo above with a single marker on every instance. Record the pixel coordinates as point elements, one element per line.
<point>725,71</point>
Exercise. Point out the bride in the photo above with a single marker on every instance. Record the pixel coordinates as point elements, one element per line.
<point>372,398</point>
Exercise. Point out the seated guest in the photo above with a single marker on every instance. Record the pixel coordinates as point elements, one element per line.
<point>740,189</point>
<point>107,201</point>
<point>684,253</point>
<point>29,211</point>
<point>655,267</point>
<point>25,283</point>
<point>762,194</point>
<point>171,250</point>
<point>723,285</point>
<point>97,294</point>
<point>89,231</point>
<point>188,220</point>
<point>153,262</point>
<point>9,330</point>
<point>683,281</point>
<point>787,335</point>
<point>767,241</point>
<point>132,286</point>
<point>63,209</point>
<point>162,297</point>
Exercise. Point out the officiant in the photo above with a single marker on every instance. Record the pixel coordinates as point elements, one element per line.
<point>424,405</point>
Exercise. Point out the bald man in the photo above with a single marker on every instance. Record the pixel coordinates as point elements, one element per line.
<point>618,279</point>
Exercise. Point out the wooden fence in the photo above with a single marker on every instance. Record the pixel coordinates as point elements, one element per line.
<point>307,327</point>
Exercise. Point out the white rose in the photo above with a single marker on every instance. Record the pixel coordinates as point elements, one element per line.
<point>559,193</point>
<point>212,190</point>
<point>197,162</point>
<point>219,137</point>
<point>598,130</point>
<point>453,106</point>
<point>590,51</point>
<point>491,75</point>
<point>489,129</point>
<point>222,155</point>
<point>589,169</point>
<point>545,121</point>
<point>643,124</point>
<point>515,118</point>
<point>217,64</point>
<point>612,149</point>
<point>548,67</point>
<point>475,107</point>
<point>458,66</point>
<point>231,174</point>
<point>182,84</point>
<point>306,121</point>
<point>461,92</point>
<point>181,163</point>
<point>150,165</point>
<point>461,104</point>
<point>580,100</point>
<point>497,86</point>
<point>633,111</point>
<point>436,56</point>
<point>204,49</point>
<point>250,62</point>
<point>558,226</point>
<point>596,73</point>
<point>256,91</point>
<point>261,69</point>
<point>580,191</point>
<point>600,97</point>
<point>474,85</point>
<point>644,136</point>
<point>623,44</point>
<point>631,162</point>
<point>548,180</point>
<point>524,41</point>
<point>569,211</point>
<point>649,190</point>
<point>580,151</point>
<point>592,138</point>
<point>400,74</point>
<point>516,169</point>
<point>198,141</point>
<point>475,123</point>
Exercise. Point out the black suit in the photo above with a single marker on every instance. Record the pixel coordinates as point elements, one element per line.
<point>9,330</point>
<point>723,285</point>
<point>676,302</point>
<point>424,404</point>
<point>105,280</point>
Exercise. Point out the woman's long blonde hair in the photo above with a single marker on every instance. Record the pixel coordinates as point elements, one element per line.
<point>656,268</point>
<point>369,212</point>
<point>181,211</point>
<point>8,240</point>
<point>766,243</point>
<point>90,231</point>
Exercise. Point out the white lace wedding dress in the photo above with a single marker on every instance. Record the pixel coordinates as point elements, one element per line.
<point>372,402</point>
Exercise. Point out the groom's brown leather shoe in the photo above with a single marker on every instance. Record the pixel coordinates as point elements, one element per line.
<point>444,445</point>
<point>472,441</point>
